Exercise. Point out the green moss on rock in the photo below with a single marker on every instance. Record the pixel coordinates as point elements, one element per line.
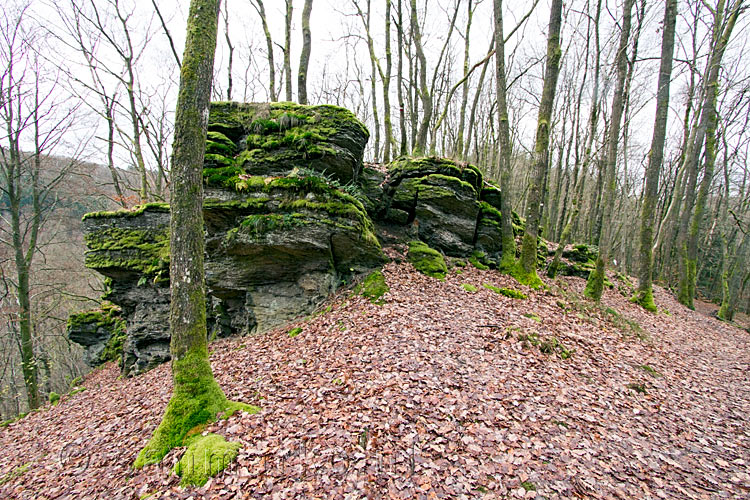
<point>205,457</point>
<point>374,287</point>
<point>145,251</point>
<point>426,166</point>
<point>133,212</point>
<point>426,260</point>
<point>54,398</point>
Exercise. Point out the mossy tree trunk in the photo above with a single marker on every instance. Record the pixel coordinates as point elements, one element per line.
<point>595,283</point>
<point>644,294</point>
<point>721,34</point>
<point>508,259</point>
<point>526,268</point>
<point>726,310</point>
<point>580,171</point>
<point>196,397</point>
<point>459,145</point>
<point>304,58</point>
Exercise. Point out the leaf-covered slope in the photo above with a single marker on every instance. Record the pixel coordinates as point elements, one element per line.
<point>444,389</point>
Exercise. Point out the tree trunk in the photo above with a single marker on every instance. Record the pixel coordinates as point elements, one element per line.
<point>644,295</point>
<point>287,50</point>
<point>708,125</point>
<point>526,270</point>
<point>196,397</point>
<point>304,58</point>
<point>508,259</point>
<point>595,284</point>
<point>230,48</point>
<point>403,149</point>
<point>260,8</point>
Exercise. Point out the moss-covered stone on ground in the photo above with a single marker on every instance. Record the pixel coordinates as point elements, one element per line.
<point>374,287</point>
<point>507,292</point>
<point>427,260</point>
<point>205,457</point>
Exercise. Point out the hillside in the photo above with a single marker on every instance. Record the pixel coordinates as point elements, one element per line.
<point>432,395</point>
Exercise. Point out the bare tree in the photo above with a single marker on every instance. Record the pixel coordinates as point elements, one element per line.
<point>34,114</point>
<point>260,8</point>
<point>304,58</point>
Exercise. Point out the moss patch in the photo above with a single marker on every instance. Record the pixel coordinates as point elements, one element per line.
<point>133,212</point>
<point>477,260</point>
<point>54,398</point>
<point>507,292</point>
<point>197,399</point>
<point>637,387</point>
<point>427,260</point>
<point>15,473</point>
<point>645,300</point>
<point>650,371</point>
<point>294,332</point>
<point>533,317</point>
<point>468,287</point>
<point>205,457</point>
<point>374,287</point>
<point>145,251</point>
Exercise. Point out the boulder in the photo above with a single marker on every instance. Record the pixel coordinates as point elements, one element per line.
<point>282,232</point>
<point>439,196</point>
<point>272,139</point>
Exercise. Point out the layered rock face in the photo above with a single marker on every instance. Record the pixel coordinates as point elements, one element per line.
<point>290,214</point>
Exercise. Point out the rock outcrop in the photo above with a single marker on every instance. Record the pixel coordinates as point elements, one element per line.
<point>290,214</point>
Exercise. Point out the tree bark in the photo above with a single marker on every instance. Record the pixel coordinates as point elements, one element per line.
<point>196,397</point>
<point>644,294</point>
<point>260,8</point>
<point>595,284</point>
<point>304,58</point>
<point>508,242</point>
<point>287,49</point>
<point>420,144</point>
<point>526,268</point>
<point>709,118</point>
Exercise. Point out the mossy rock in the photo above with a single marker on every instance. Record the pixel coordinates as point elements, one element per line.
<point>404,168</point>
<point>275,138</point>
<point>427,260</point>
<point>134,242</point>
<point>102,332</point>
<point>374,287</point>
<point>205,457</point>
<point>581,253</point>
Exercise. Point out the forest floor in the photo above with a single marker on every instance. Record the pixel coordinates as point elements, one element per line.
<point>438,393</point>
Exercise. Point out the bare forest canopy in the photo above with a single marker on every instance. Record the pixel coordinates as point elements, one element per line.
<point>96,80</point>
